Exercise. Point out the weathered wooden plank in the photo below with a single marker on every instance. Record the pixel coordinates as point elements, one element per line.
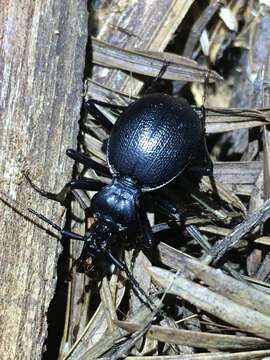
<point>41,62</point>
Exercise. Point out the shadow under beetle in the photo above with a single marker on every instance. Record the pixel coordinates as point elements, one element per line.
<point>153,141</point>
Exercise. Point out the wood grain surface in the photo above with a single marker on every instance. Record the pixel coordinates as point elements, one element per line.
<point>42,55</point>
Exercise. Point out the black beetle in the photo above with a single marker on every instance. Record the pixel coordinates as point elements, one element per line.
<point>154,140</point>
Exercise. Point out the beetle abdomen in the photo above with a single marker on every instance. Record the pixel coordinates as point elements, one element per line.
<point>154,139</point>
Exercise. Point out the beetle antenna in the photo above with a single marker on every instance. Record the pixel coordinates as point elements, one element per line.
<point>14,204</point>
<point>205,87</point>
<point>63,232</point>
<point>161,72</point>
<point>44,218</point>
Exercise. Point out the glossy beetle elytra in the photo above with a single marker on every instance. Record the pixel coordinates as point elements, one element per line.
<point>154,140</point>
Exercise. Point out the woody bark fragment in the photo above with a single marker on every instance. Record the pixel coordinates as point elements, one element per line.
<point>40,89</point>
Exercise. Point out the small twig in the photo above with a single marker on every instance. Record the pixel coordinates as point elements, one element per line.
<point>107,302</point>
<point>227,306</point>
<point>203,242</point>
<point>138,334</point>
<point>229,241</point>
<point>200,25</point>
<point>150,63</point>
<point>133,339</point>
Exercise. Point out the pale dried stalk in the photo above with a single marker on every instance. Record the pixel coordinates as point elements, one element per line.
<point>197,338</point>
<point>150,63</point>
<point>107,342</point>
<point>257,217</point>
<point>221,307</point>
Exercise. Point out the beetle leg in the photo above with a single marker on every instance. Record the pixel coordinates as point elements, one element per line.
<point>203,168</point>
<point>159,76</point>
<point>164,205</point>
<point>207,160</point>
<point>108,105</point>
<point>146,228</point>
<point>80,184</point>
<point>203,164</point>
<point>161,203</point>
<point>122,266</point>
<point>88,162</point>
<point>93,110</point>
<point>59,197</point>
